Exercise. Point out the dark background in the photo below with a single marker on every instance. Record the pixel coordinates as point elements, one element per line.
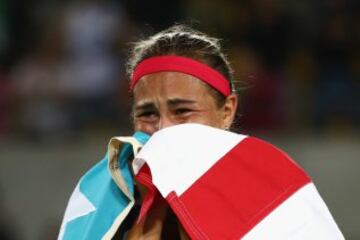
<point>63,92</point>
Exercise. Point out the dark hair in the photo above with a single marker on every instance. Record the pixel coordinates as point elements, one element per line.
<point>184,41</point>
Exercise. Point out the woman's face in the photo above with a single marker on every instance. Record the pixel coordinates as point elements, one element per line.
<point>168,98</point>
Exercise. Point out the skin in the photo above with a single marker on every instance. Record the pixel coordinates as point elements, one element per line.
<point>168,98</point>
<point>165,99</point>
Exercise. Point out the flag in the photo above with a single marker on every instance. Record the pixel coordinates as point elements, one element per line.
<point>104,195</point>
<point>223,185</point>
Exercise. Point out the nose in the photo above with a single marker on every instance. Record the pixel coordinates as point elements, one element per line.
<point>165,121</point>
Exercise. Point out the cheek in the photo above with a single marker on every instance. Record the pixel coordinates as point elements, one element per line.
<point>216,119</point>
<point>210,118</point>
<point>145,127</point>
<point>213,115</point>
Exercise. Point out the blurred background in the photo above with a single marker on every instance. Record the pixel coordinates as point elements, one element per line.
<point>64,94</point>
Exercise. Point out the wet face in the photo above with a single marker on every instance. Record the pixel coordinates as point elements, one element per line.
<point>168,98</point>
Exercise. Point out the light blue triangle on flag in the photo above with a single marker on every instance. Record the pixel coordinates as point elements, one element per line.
<point>97,201</point>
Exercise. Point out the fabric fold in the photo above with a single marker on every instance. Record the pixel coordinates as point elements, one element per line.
<point>104,195</point>
<point>223,185</point>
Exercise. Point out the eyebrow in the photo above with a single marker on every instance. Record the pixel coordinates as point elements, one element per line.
<point>145,106</point>
<point>178,101</point>
<point>172,103</point>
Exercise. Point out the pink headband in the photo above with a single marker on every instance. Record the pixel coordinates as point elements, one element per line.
<point>184,65</point>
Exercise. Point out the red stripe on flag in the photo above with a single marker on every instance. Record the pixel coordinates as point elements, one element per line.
<point>240,190</point>
<point>144,177</point>
<point>187,221</point>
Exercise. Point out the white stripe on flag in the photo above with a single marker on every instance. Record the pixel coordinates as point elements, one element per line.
<point>303,215</point>
<point>177,170</point>
<point>78,206</point>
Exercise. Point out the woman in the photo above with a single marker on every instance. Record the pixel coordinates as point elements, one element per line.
<point>164,97</point>
<point>181,76</point>
<point>251,190</point>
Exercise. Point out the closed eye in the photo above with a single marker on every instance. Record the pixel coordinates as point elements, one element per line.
<point>146,114</point>
<point>146,111</point>
<point>182,111</point>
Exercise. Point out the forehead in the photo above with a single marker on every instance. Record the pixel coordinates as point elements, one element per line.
<point>168,85</point>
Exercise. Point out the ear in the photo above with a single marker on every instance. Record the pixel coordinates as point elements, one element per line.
<point>229,110</point>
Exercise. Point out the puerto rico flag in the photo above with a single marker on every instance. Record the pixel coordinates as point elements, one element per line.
<point>223,185</point>
<point>104,195</point>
